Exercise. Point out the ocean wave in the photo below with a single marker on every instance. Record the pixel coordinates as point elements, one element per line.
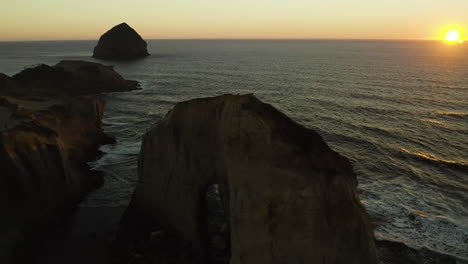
<point>111,160</point>
<point>366,110</point>
<point>455,114</point>
<point>438,123</point>
<point>451,87</point>
<point>114,123</point>
<point>419,229</point>
<point>143,97</point>
<point>430,158</point>
<point>359,143</point>
<point>380,131</point>
<point>376,97</point>
<point>441,101</point>
<point>340,123</point>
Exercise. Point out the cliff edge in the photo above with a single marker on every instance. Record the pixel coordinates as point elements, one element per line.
<point>50,127</point>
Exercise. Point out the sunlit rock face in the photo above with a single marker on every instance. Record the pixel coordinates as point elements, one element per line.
<point>121,43</point>
<point>288,198</point>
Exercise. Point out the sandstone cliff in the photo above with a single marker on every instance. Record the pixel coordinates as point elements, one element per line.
<point>287,197</point>
<point>121,43</point>
<point>47,135</point>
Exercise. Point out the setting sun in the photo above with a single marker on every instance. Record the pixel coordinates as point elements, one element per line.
<point>453,36</point>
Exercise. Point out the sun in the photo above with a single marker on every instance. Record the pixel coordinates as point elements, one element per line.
<point>453,36</point>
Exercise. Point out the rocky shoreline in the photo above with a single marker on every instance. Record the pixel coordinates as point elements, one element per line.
<point>51,126</point>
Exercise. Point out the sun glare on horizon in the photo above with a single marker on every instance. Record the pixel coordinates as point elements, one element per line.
<point>453,35</point>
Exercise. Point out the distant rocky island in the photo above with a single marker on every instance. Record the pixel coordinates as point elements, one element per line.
<point>50,127</point>
<point>121,43</point>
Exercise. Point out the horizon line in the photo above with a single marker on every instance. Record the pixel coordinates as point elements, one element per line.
<point>344,39</point>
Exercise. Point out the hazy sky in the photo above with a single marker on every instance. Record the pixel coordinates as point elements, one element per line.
<point>154,19</point>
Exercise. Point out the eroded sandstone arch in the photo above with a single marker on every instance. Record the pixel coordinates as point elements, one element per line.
<point>289,198</point>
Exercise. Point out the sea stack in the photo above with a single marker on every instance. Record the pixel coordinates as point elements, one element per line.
<point>121,43</point>
<point>287,196</point>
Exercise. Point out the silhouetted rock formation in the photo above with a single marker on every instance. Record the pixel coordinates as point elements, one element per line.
<point>288,198</point>
<point>121,43</point>
<point>70,78</point>
<point>47,136</point>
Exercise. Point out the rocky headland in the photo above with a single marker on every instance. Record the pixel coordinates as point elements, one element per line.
<point>283,195</point>
<point>121,43</point>
<point>50,127</point>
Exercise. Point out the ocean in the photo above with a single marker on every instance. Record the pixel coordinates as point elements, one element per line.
<point>397,109</point>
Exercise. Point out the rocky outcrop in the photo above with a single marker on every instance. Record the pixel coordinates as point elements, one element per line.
<point>47,136</point>
<point>69,78</point>
<point>288,198</point>
<point>121,43</point>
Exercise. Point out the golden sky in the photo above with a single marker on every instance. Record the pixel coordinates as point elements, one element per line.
<point>156,19</point>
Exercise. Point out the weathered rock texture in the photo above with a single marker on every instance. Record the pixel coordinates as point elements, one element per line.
<point>288,197</point>
<point>47,136</point>
<point>121,43</point>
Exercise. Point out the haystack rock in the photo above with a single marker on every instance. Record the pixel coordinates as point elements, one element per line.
<point>287,197</point>
<point>121,43</point>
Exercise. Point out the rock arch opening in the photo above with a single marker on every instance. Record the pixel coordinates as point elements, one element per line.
<point>216,226</point>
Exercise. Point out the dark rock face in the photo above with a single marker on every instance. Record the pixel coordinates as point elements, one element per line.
<point>287,197</point>
<point>6,82</point>
<point>121,43</point>
<point>392,252</point>
<point>49,129</point>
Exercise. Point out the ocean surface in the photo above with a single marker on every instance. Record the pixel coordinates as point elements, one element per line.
<point>397,109</point>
